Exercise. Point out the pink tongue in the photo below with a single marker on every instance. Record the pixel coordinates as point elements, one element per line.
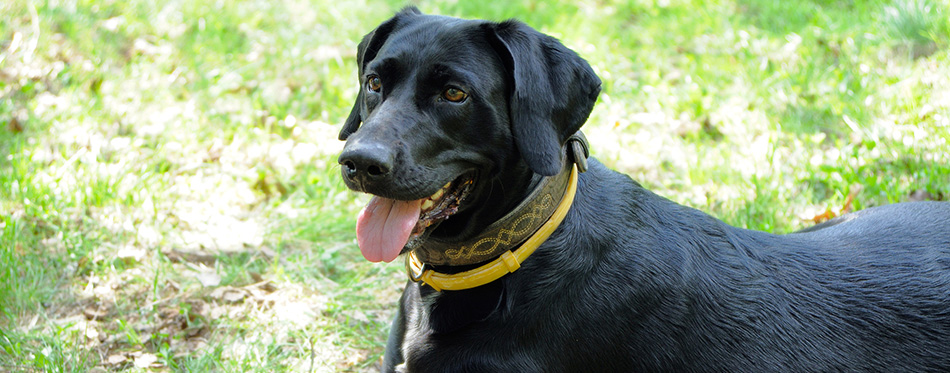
<point>384,226</point>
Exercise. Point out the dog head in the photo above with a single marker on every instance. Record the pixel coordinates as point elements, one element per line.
<point>448,107</point>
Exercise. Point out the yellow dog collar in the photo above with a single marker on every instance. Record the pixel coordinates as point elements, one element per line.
<point>508,262</point>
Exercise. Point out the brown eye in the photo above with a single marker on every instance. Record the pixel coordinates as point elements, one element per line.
<point>373,83</point>
<point>454,95</point>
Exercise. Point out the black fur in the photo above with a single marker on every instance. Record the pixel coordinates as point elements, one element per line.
<point>630,281</point>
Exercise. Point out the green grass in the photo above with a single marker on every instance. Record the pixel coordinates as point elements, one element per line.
<point>169,195</point>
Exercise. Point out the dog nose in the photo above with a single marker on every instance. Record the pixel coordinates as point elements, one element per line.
<point>366,162</point>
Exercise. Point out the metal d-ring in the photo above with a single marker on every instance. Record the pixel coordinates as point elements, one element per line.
<point>579,150</point>
<point>422,270</point>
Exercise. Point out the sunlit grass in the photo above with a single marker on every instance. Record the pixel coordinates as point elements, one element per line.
<point>169,194</point>
<point>919,24</point>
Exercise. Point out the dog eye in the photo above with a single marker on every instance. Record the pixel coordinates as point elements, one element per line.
<point>373,83</point>
<point>454,95</point>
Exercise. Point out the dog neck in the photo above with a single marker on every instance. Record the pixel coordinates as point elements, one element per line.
<point>504,244</point>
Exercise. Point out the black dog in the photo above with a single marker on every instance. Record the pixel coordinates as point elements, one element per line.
<point>468,143</point>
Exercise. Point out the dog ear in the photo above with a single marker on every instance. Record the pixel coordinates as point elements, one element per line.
<point>366,52</point>
<point>552,91</point>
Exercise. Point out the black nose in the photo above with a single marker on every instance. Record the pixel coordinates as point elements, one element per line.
<point>366,162</point>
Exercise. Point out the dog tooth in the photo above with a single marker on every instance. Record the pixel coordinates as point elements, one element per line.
<point>426,205</point>
<point>438,194</point>
<point>447,185</point>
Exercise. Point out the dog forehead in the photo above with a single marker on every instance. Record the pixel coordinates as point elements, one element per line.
<point>438,39</point>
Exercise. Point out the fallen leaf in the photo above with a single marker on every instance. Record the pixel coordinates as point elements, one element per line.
<point>848,202</point>
<point>92,333</point>
<point>823,217</point>
<point>256,276</point>
<point>846,208</point>
<point>268,287</point>
<point>229,294</point>
<point>145,361</point>
<point>116,359</point>
<point>131,253</point>
<point>185,256</point>
<point>208,279</point>
<point>233,296</point>
<point>14,125</point>
<point>95,312</point>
